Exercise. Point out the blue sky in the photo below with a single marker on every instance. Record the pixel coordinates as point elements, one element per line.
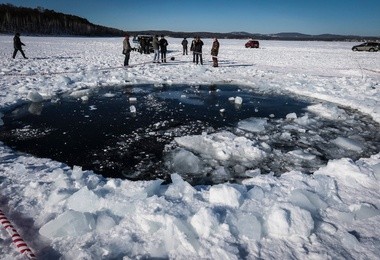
<point>346,17</point>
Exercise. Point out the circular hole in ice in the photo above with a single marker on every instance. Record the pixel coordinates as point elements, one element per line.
<point>206,133</point>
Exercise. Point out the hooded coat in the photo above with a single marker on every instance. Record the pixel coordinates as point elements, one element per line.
<point>215,48</point>
<point>198,46</point>
<point>17,44</point>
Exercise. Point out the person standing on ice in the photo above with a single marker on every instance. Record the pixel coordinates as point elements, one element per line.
<point>214,52</point>
<point>156,48</point>
<point>142,45</point>
<point>126,50</point>
<point>17,44</point>
<point>184,45</point>
<point>163,47</point>
<point>192,47</point>
<point>198,50</point>
<point>147,46</point>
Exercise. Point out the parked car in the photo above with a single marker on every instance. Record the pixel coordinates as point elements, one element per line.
<point>367,46</point>
<point>252,44</point>
<point>137,46</point>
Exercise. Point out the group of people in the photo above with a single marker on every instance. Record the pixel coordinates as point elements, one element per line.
<point>196,48</point>
<point>160,47</point>
<point>144,45</point>
<point>157,46</point>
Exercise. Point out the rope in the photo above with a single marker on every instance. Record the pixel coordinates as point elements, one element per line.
<point>59,72</point>
<point>99,69</point>
<point>16,238</point>
<point>204,54</point>
<point>360,67</point>
<point>71,72</point>
<point>377,71</point>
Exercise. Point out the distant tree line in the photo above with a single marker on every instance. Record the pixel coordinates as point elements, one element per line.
<point>40,21</point>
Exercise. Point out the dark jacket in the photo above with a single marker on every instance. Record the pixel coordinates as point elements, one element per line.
<point>215,48</point>
<point>184,43</point>
<point>142,42</point>
<point>192,45</point>
<point>198,46</point>
<point>17,44</point>
<point>163,44</point>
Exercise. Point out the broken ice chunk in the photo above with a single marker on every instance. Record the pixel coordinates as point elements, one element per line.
<point>34,96</point>
<point>238,100</point>
<point>348,144</point>
<point>253,124</point>
<point>132,109</point>
<point>70,223</point>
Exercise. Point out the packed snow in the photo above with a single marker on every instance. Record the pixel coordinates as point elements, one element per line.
<point>69,213</point>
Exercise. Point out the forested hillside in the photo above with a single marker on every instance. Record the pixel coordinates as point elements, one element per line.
<point>40,21</point>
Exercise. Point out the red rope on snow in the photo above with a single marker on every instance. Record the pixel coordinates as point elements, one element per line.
<point>16,238</point>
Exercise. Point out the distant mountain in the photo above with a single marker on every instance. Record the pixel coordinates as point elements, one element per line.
<point>320,37</point>
<point>40,21</point>
<point>290,35</point>
<point>287,36</point>
<point>244,34</point>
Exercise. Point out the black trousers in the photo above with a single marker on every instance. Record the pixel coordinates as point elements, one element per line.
<point>163,56</point>
<point>126,59</point>
<point>15,52</point>
<point>198,57</point>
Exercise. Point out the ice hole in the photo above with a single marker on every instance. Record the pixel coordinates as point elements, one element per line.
<point>205,133</point>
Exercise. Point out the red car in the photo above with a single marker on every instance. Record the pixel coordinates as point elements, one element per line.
<point>252,44</point>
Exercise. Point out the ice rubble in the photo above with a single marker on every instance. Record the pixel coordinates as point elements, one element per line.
<point>224,147</point>
<point>296,142</point>
<point>263,207</point>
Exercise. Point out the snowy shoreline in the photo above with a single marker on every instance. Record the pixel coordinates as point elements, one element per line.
<point>333,214</point>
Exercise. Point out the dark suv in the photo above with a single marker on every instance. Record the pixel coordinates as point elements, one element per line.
<point>367,46</point>
<point>252,44</point>
<point>143,44</point>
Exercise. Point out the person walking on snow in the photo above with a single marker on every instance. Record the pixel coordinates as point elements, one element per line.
<point>214,52</point>
<point>126,50</point>
<point>17,44</point>
<point>163,47</point>
<point>184,45</point>
<point>156,48</point>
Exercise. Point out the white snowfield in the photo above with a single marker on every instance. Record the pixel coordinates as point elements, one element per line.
<point>68,213</point>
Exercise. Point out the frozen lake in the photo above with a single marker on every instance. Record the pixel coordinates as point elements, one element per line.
<point>65,211</point>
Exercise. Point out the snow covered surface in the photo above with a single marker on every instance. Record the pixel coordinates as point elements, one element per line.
<point>74,214</point>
